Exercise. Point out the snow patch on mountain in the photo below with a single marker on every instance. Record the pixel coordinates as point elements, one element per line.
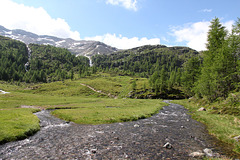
<point>77,47</point>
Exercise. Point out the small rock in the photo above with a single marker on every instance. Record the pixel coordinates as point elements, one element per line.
<point>217,155</point>
<point>202,109</point>
<point>136,125</point>
<point>117,138</point>
<point>237,138</point>
<point>208,152</point>
<point>94,151</point>
<point>167,145</point>
<point>196,154</point>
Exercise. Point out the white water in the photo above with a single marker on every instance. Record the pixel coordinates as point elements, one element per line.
<point>29,55</point>
<point>90,60</point>
<point>3,92</point>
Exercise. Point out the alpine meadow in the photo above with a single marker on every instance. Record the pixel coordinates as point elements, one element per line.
<point>110,86</point>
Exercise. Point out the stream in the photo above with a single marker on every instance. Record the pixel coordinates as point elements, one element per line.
<point>90,60</point>
<point>29,56</point>
<point>142,139</point>
<point>3,92</point>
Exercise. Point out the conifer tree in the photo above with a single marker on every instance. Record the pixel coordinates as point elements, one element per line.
<point>215,80</point>
<point>134,84</point>
<point>190,75</point>
<point>234,43</point>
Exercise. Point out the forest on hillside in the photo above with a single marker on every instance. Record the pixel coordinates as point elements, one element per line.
<point>38,63</point>
<point>210,74</point>
<point>162,65</point>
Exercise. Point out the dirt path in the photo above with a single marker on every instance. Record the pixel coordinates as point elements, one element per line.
<point>99,91</point>
<point>143,139</point>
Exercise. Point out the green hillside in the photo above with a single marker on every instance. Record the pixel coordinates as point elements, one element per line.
<point>144,61</point>
<point>13,57</point>
<point>46,63</point>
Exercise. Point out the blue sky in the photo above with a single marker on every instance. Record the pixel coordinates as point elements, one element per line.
<point>121,23</point>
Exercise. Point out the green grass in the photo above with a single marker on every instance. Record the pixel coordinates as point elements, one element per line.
<point>118,85</point>
<point>223,126</point>
<point>17,124</point>
<point>65,88</point>
<point>110,111</point>
<point>87,106</point>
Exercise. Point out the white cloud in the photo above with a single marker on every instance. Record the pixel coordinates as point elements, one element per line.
<point>36,20</point>
<point>121,42</point>
<point>229,25</point>
<point>128,4</point>
<point>195,34</point>
<point>164,39</point>
<point>206,10</point>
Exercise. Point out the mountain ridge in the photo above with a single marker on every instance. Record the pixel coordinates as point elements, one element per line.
<point>76,47</point>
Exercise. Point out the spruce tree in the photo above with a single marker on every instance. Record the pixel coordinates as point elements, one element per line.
<point>215,80</point>
<point>190,75</point>
<point>234,43</point>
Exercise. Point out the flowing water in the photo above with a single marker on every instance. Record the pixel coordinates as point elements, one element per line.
<point>90,60</point>
<point>143,139</point>
<point>29,55</point>
<point>3,92</point>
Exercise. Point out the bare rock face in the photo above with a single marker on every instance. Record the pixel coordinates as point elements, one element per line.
<point>77,47</point>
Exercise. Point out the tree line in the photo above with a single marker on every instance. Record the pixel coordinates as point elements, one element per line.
<point>219,73</point>
<point>162,65</point>
<point>13,56</point>
<point>44,63</point>
<point>210,74</point>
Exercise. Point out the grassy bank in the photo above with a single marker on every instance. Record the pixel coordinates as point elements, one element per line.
<point>87,106</point>
<point>110,111</point>
<point>223,126</point>
<point>17,124</point>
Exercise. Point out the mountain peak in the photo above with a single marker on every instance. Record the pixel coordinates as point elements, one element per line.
<point>77,47</point>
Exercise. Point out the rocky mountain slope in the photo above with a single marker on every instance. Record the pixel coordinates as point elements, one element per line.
<point>80,47</point>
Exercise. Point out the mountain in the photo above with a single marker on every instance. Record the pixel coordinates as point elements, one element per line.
<point>38,63</point>
<point>77,47</point>
<point>145,60</point>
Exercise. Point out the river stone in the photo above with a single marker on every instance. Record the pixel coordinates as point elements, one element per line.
<point>136,125</point>
<point>208,152</point>
<point>167,145</point>
<point>196,154</point>
<point>94,151</point>
<point>202,109</point>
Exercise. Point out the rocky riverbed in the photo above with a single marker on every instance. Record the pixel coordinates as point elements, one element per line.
<point>170,134</point>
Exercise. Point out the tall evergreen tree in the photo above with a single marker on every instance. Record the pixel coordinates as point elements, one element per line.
<point>190,75</point>
<point>218,62</point>
<point>234,43</point>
